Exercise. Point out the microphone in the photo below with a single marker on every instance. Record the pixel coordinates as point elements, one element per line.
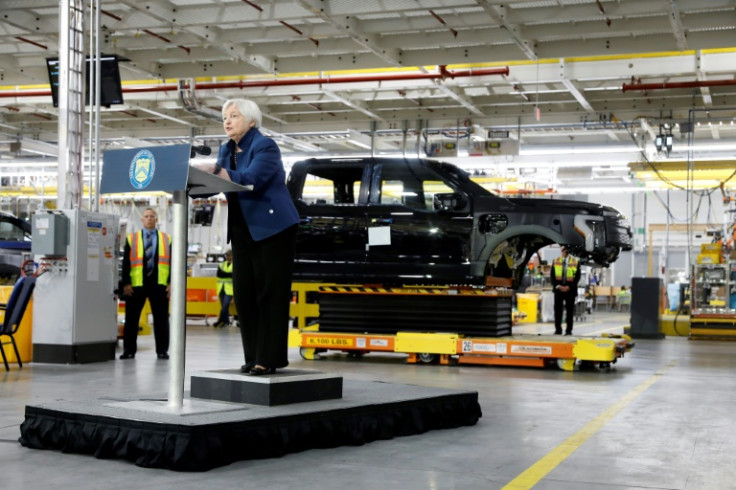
<point>203,150</point>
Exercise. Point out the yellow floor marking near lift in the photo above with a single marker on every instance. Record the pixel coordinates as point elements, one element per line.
<point>541,468</point>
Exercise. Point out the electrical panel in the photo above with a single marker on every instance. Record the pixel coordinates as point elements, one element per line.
<point>50,232</point>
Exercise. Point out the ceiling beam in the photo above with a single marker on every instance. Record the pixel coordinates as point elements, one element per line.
<point>161,115</point>
<point>677,30</point>
<point>702,76</point>
<point>458,98</point>
<point>164,11</point>
<point>352,104</point>
<point>351,27</point>
<point>499,13</point>
<point>574,90</point>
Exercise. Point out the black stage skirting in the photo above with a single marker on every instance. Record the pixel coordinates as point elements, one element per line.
<point>368,411</point>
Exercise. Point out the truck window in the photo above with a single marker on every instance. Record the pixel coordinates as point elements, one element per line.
<point>413,187</point>
<point>11,232</point>
<point>326,186</point>
<point>432,187</point>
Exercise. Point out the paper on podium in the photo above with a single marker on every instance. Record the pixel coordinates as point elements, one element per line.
<point>200,183</point>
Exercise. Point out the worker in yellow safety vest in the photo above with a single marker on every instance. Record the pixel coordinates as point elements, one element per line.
<point>565,275</point>
<point>225,289</point>
<point>146,276</point>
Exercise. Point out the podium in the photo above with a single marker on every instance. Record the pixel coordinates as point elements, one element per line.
<point>166,168</point>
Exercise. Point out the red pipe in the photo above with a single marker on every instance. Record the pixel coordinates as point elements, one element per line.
<point>668,85</point>
<point>297,81</point>
<point>39,45</point>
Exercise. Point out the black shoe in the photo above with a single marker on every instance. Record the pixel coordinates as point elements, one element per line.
<point>127,355</point>
<point>163,356</point>
<point>245,368</point>
<point>568,333</point>
<point>558,332</point>
<point>260,371</point>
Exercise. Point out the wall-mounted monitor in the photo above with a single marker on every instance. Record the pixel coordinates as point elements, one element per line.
<point>202,214</point>
<point>111,89</point>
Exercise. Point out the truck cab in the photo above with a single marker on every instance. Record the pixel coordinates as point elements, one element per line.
<point>419,221</point>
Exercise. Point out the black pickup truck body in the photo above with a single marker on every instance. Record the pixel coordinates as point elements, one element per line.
<point>15,247</point>
<point>414,221</point>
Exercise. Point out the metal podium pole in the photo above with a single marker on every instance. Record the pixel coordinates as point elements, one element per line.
<point>178,299</point>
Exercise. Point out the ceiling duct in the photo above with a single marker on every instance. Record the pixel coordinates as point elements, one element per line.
<point>189,102</point>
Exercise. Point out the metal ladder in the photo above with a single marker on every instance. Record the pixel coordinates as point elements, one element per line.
<point>71,102</point>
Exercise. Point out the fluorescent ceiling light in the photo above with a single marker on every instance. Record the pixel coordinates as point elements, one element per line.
<point>577,149</point>
<point>602,190</point>
<point>544,165</point>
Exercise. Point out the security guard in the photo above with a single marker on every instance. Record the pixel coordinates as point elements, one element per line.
<point>146,275</point>
<point>225,289</point>
<point>565,275</point>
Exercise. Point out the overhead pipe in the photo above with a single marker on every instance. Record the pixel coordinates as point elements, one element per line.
<point>242,84</point>
<point>670,85</point>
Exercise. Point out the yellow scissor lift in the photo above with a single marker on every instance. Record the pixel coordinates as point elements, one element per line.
<point>447,348</point>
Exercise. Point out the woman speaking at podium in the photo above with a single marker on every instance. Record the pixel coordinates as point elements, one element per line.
<point>262,226</point>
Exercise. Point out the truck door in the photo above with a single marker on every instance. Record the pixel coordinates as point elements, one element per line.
<point>331,242</point>
<point>408,239</point>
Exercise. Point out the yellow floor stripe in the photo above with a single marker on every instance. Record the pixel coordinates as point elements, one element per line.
<point>541,468</point>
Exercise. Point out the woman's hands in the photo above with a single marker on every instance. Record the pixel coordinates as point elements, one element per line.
<point>210,167</point>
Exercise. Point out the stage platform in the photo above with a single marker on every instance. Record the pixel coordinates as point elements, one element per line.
<point>205,434</point>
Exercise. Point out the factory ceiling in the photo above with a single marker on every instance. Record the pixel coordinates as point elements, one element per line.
<point>580,86</point>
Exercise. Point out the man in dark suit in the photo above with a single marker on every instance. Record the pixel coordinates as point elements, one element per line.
<point>565,275</point>
<point>146,275</point>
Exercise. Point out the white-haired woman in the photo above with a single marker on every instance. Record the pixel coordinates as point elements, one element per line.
<point>262,226</point>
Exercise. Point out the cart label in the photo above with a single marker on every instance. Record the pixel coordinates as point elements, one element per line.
<point>326,341</point>
<point>484,347</point>
<point>379,342</point>
<point>360,342</point>
<point>501,348</point>
<point>531,349</point>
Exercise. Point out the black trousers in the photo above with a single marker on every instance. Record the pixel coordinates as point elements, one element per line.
<point>262,292</point>
<point>566,301</point>
<point>159,300</point>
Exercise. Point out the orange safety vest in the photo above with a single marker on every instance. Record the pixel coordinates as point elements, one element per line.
<point>135,242</point>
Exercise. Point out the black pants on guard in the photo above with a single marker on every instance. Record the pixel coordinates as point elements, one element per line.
<point>159,300</point>
<point>566,301</point>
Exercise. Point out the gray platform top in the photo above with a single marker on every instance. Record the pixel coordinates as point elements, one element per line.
<point>154,409</point>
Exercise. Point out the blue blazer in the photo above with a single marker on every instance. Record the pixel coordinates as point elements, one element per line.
<point>268,209</point>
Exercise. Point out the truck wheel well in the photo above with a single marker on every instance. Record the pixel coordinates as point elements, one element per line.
<point>509,257</point>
